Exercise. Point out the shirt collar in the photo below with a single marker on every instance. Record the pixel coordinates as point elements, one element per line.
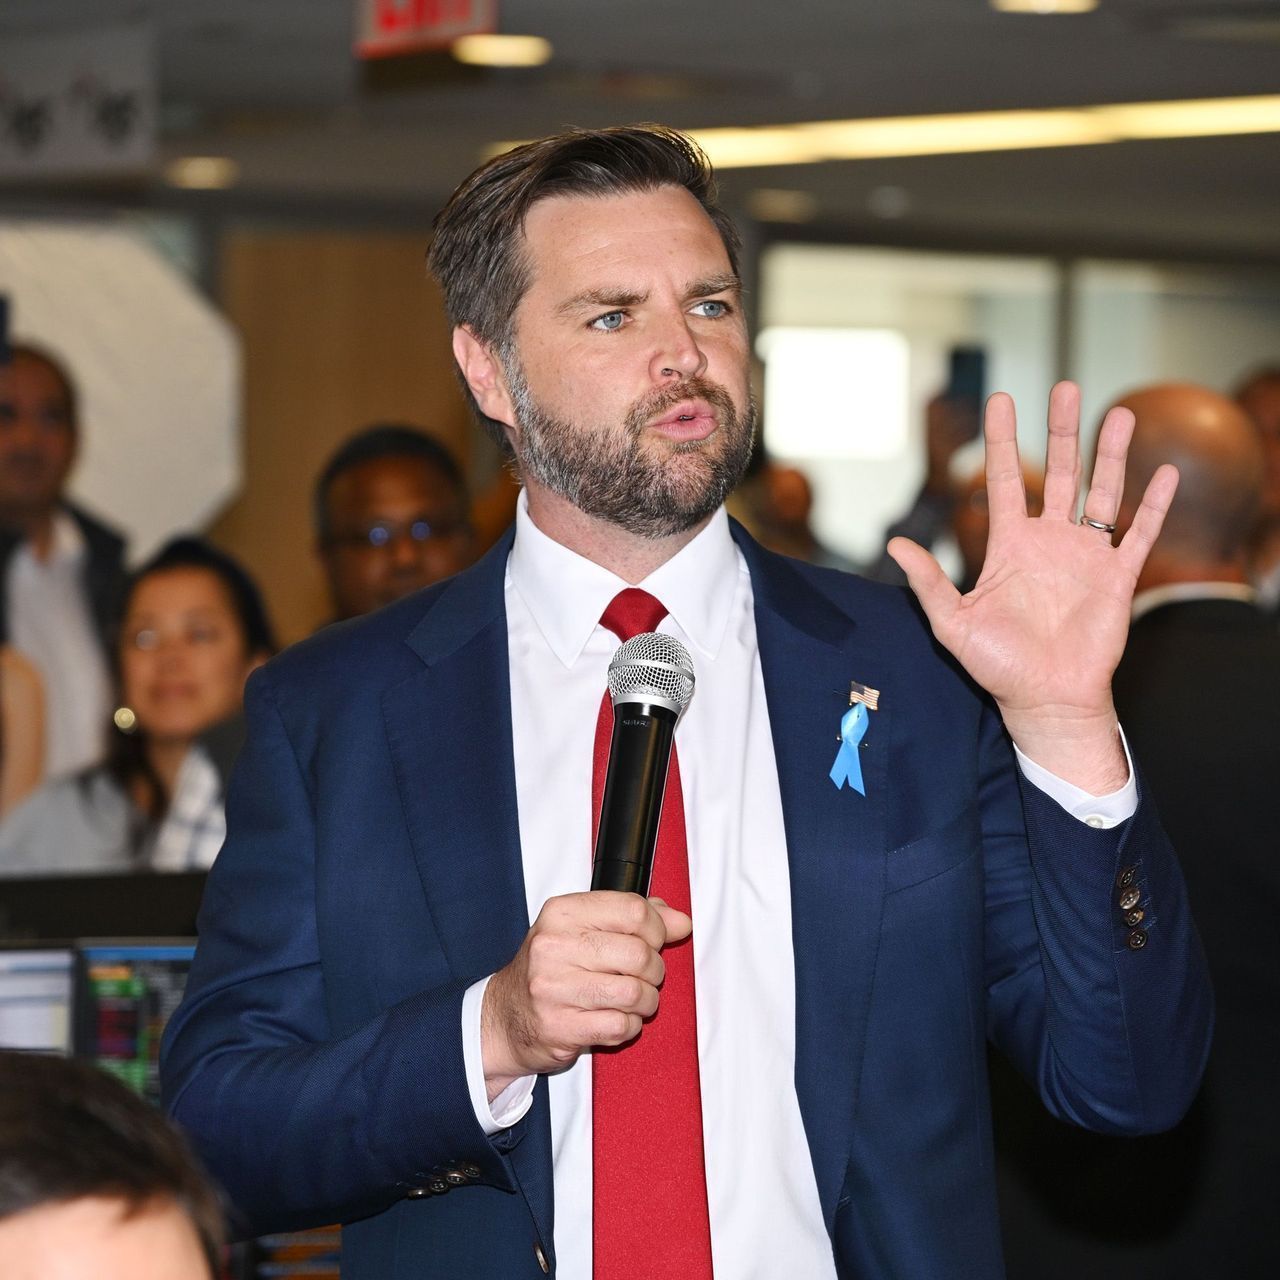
<point>1180,592</point>
<point>566,593</point>
<point>67,545</point>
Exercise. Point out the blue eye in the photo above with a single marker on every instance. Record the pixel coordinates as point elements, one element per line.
<point>712,309</point>
<point>610,322</point>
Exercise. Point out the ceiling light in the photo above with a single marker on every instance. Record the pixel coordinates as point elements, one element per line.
<point>502,51</point>
<point>745,148</point>
<point>952,134</point>
<point>1209,117</point>
<point>202,173</point>
<point>1044,6</point>
<point>894,136</point>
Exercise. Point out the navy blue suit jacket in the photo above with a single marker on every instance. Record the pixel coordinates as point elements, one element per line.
<point>372,872</point>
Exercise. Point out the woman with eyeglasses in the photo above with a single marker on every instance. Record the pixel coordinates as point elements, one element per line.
<point>194,627</point>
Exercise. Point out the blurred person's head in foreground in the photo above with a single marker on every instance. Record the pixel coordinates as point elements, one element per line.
<point>94,1182</point>
<point>38,437</point>
<point>194,628</point>
<point>1219,456</point>
<point>391,516</point>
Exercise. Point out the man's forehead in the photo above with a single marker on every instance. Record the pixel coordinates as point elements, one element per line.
<point>574,232</point>
<point>27,370</point>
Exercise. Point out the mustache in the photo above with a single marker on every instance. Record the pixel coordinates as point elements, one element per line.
<point>659,401</point>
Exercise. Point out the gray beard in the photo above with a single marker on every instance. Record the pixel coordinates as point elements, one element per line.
<point>608,475</point>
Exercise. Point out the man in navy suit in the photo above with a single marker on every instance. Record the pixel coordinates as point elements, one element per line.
<point>374,1031</point>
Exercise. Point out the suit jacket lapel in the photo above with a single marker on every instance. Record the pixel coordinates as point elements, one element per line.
<point>449,733</point>
<point>835,844</point>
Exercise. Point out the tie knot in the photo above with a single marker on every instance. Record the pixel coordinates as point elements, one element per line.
<point>633,612</point>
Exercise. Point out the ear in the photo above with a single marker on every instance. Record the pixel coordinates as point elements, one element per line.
<point>483,374</point>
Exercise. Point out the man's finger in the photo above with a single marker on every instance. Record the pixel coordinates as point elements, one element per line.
<point>623,953</point>
<point>1106,486</point>
<point>1149,520</point>
<point>678,924</point>
<point>604,1027</point>
<point>613,911</point>
<point>935,591</point>
<point>1006,499</point>
<point>616,991</point>
<point>1062,456</point>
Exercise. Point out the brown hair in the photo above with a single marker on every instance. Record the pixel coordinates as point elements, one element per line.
<point>69,1130</point>
<point>477,254</point>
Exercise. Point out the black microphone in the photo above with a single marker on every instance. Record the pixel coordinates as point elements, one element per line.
<point>651,683</point>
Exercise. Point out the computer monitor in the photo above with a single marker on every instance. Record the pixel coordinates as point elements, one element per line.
<point>36,985</point>
<point>125,992</point>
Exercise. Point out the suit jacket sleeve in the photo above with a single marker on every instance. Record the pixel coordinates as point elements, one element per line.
<point>301,1125</point>
<point>1111,1021</point>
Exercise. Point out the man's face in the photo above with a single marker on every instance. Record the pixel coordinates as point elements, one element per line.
<point>97,1236</point>
<point>629,373</point>
<point>396,524</point>
<point>1262,404</point>
<point>37,439</point>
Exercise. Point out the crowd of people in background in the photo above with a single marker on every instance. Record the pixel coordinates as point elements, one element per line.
<point>120,693</point>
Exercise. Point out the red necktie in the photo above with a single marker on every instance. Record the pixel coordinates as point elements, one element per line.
<point>650,1184</point>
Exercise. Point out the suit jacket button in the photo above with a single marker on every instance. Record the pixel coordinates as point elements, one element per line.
<point>437,1185</point>
<point>1130,897</point>
<point>1137,940</point>
<point>1127,877</point>
<point>541,1257</point>
<point>471,1170</point>
<point>417,1193</point>
<point>1134,917</point>
<point>455,1178</point>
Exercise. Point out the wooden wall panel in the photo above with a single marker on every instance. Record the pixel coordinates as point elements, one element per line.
<point>339,331</point>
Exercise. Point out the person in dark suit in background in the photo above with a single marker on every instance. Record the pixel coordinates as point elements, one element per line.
<point>61,570</point>
<point>1259,396</point>
<point>1198,692</point>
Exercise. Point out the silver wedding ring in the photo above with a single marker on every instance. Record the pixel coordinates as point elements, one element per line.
<point>1100,525</point>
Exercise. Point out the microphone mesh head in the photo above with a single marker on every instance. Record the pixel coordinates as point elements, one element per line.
<point>652,667</point>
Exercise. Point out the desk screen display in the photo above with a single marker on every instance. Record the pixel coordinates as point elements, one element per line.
<point>126,994</point>
<point>35,999</point>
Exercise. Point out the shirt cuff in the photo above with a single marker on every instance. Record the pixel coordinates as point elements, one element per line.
<point>513,1103</point>
<point>1103,812</point>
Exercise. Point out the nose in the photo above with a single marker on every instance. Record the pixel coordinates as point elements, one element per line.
<point>677,354</point>
<point>405,550</point>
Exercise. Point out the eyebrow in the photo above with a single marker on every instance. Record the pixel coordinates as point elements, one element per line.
<point>611,297</point>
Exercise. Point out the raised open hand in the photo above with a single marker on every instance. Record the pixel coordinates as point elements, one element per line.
<point>1045,625</point>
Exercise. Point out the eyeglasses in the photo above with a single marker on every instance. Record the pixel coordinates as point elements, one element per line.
<point>383,533</point>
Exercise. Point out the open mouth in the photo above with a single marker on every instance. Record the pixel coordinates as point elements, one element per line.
<point>688,420</point>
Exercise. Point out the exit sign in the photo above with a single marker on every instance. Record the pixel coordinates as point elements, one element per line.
<point>385,27</point>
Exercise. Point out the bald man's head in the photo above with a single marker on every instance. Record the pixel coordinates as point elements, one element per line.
<point>1219,459</point>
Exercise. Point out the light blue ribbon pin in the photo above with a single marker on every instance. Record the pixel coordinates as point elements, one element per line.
<point>848,767</point>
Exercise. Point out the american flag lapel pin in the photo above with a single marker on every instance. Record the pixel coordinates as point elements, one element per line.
<point>863,699</point>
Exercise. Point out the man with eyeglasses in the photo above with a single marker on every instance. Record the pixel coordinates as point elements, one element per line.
<point>391,516</point>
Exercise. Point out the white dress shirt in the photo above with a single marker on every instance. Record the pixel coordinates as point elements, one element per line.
<point>739,882</point>
<point>51,624</point>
